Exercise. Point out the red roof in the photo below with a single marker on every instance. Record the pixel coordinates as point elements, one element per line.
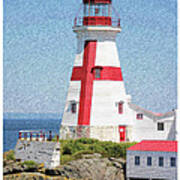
<point>149,145</point>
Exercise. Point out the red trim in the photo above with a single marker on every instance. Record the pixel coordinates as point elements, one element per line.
<point>97,20</point>
<point>86,82</point>
<point>120,108</point>
<point>107,73</point>
<point>122,133</point>
<point>155,145</point>
<point>111,73</point>
<point>97,1</point>
<point>77,73</point>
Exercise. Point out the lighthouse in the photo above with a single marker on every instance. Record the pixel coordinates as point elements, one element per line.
<point>96,104</point>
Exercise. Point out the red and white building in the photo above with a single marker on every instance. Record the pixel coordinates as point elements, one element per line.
<point>152,160</point>
<point>97,105</point>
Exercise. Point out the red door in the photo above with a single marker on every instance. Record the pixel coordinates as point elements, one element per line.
<point>122,133</point>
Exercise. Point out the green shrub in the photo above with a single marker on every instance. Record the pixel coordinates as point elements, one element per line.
<point>73,149</point>
<point>78,155</point>
<point>67,149</point>
<point>87,141</point>
<point>30,164</point>
<point>66,158</point>
<point>97,148</point>
<point>116,149</point>
<point>10,155</point>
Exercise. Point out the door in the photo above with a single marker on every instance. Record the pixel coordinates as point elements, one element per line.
<point>122,133</point>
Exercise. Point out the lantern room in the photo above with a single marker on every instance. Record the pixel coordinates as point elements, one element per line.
<point>97,13</point>
<point>97,8</point>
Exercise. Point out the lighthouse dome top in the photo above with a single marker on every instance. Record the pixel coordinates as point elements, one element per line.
<point>97,1</point>
<point>97,13</point>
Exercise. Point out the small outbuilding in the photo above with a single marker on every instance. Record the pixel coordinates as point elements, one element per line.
<point>152,160</point>
<point>38,146</point>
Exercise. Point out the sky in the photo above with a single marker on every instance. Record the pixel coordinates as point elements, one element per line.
<point>40,47</point>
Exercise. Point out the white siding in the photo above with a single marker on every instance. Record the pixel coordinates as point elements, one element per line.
<point>70,118</point>
<point>154,171</point>
<point>105,133</point>
<point>107,54</point>
<point>80,52</point>
<point>106,95</point>
<point>106,51</point>
<point>146,129</point>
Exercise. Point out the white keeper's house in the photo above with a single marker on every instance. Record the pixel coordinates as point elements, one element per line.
<point>152,160</point>
<point>97,105</point>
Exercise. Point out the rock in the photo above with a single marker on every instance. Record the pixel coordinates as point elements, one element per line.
<point>90,156</point>
<point>87,156</point>
<point>4,163</point>
<point>12,168</point>
<point>32,176</point>
<point>52,172</point>
<point>120,160</point>
<point>97,155</point>
<point>40,166</point>
<point>42,171</point>
<point>6,170</point>
<point>111,158</point>
<point>120,176</point>
<point>8,162</point>
<point>117,165</point>
<point>30,169</point>
<point>90,167</point>
<point>17,169</point>
<point>93,167</point>
<point>110,173</point>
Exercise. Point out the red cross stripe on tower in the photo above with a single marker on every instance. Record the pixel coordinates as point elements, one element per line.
<point>86,75</point>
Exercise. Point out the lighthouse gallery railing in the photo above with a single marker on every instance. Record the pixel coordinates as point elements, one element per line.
<point>107,21</point>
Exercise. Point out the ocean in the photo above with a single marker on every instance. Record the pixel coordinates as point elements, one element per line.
<point>12,127</point>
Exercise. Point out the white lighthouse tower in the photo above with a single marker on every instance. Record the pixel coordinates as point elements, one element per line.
<point>97,104</point>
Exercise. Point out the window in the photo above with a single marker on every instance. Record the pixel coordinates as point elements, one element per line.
<point>98,73</point>
<point>139,116</point>
<point>161,161</point>
<point>73,107</point>
<point>137,160</point>
<point>96,70</point>
<point>97,10</point>
<point>160,126</point>
<point>120,107</point>
<point>149,161</point>
<point>173,162</point>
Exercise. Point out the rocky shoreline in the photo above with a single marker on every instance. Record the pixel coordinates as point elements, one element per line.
<point>89,167</point>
